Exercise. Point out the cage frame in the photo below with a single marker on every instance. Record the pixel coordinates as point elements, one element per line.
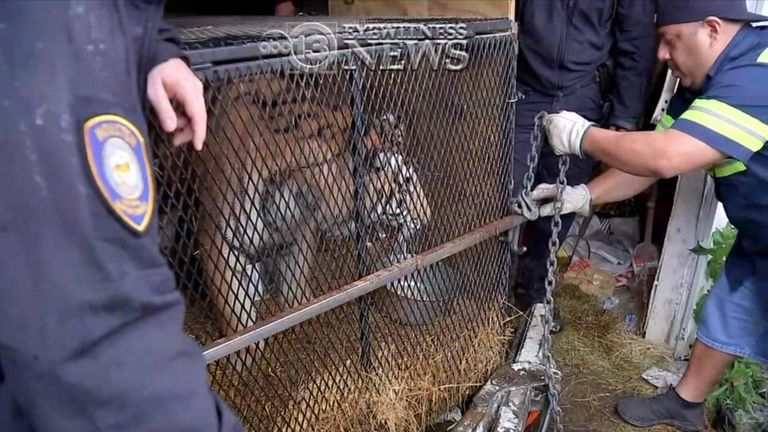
<point>211,64</point>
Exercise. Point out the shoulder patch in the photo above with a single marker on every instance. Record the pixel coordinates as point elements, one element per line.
<point>119,163</point>
<point>763,57</point>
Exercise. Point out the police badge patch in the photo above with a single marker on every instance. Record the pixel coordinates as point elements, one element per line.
<point>119,162</point>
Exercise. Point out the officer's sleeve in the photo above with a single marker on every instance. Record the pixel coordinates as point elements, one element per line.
<point>634,60</point>
<point>168,44</point>
<point>732,115</point>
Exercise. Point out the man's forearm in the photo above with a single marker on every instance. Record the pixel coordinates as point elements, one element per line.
<point>615,185</point>
<point>650,154</point>
<point>637,153</point>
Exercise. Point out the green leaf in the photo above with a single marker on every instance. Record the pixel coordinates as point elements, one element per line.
<point>700,250</point>
<point>697,310</point>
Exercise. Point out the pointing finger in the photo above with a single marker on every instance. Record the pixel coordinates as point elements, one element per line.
<point>158,97</point>
<point>191,98</point>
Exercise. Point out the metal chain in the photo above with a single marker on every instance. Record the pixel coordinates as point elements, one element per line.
<point>529,209</point>
<point>552,374</point>
<point>524,205</point>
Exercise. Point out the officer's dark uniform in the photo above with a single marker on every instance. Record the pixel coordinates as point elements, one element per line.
<point>90,320</point>
<point>564,45</point>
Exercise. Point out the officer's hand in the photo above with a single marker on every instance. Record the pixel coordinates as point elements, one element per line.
<point>173,80</point>
<point>576,199</point>
<point>565,131</point>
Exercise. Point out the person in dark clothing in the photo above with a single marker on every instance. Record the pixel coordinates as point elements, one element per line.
<point>91,335</point>
<point>593,57</point>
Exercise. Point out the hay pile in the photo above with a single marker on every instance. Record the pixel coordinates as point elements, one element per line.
<point>403,395</point>
<point>600,361</point>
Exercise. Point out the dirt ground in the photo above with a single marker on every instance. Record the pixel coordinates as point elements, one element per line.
<point>588,402</point>
<point>600,361</point>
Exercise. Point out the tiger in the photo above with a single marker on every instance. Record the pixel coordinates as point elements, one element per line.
<point>321,201</point>
<point>275,177</point>
<point>259,128</point>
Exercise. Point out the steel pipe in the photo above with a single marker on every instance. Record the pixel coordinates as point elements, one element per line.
<point>292,317</point>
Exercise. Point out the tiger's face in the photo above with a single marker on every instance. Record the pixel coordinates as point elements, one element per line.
<point>393,194</point>
<point>390,188</point>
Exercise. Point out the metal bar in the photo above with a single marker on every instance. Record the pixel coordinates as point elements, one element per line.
<point>532,349</point>
<point>475,26</point>
<point>255,64</point>
<point>512,258</point>
<point>361,257</point>
<point>224,54</point>
<point>292,317</point>
<point>211,63</point>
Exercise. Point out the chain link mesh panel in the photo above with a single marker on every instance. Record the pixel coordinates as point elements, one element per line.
<point>309,181</point>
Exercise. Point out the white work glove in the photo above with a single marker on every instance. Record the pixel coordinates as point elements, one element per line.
<point>576,199</point>
<point>566,131</point>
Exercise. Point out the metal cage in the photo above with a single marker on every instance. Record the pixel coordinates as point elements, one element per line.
<point>342,233</point>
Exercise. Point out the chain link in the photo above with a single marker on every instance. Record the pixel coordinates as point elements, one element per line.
<point>525,206</point>
<point>552,374</point>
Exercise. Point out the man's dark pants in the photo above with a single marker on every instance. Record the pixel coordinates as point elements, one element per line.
<point>586,101</point>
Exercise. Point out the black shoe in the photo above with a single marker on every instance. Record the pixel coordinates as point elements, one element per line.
<point>663,409</point>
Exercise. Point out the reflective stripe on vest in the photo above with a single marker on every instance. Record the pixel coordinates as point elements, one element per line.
<point>665,123</point>
<point>728,167</point>
<point>763,57</point>
<point>729,122</point>
<point>724,169</point>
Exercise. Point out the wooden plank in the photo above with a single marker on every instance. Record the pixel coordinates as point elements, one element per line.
<point>410,8</point>
<point>700,283</point>
<point>423,8</point>
<point>477,8</point>
<point>673,296</point>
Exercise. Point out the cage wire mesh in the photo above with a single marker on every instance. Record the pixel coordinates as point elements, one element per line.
<point>309,181</point>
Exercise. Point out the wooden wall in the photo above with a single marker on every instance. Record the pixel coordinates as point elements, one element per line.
<point>422,8</point>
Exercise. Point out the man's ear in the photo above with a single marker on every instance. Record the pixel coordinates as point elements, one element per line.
<point>714,27</point>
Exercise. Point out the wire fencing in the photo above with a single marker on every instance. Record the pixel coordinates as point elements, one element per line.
<point>339,238</point>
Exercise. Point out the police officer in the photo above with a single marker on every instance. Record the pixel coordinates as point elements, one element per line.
<point>717,120</point>
<point>91,334</point>
<point>591,57</point>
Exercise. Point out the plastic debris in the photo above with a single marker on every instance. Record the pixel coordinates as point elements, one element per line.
<point>453,415</point>
<point>610,303</point>
<point>661,378</point>
<point>630,320</point>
